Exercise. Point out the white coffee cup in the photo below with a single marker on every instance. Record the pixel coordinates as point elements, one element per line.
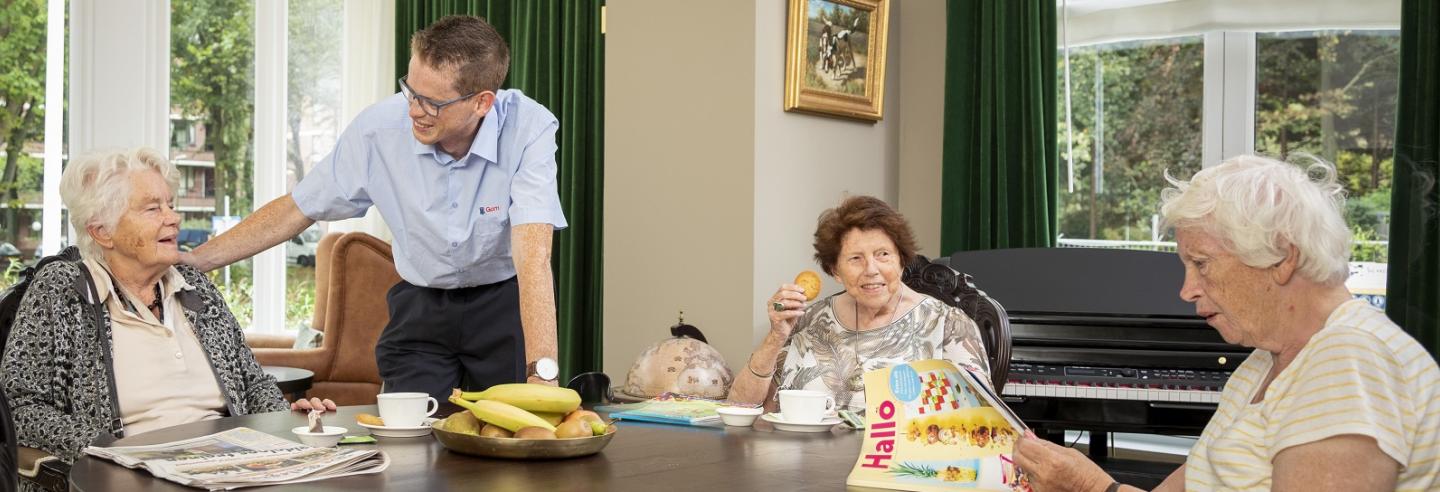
<point>805,406</point>
<point>405,409</point>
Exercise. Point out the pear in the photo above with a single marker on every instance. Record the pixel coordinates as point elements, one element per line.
<point>492,430</point>
<point>580,414</point>
<point>574,428</point>
<point>534,433</point>
<point>462,423</point>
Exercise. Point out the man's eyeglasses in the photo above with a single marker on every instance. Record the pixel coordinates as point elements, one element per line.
<point>429,106</point>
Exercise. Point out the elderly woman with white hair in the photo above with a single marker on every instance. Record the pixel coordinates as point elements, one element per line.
<point>125,341</point>
<point>1335,395</point>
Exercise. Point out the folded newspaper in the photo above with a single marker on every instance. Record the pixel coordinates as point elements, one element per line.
<point>243,457</point>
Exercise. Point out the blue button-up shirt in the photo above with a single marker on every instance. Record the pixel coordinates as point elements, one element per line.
<point>451,216</point>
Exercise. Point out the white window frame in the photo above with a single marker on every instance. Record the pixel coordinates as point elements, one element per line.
<point>271,55</point>
<point>54,126</point>
<point>1228,117</point>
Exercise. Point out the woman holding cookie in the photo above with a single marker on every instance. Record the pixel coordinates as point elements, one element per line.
<point>875,322</point>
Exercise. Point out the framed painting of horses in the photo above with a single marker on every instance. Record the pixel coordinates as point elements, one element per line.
<point>835,57</point>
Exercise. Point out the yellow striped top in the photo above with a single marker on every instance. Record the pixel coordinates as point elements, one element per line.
<point>1360,374</point>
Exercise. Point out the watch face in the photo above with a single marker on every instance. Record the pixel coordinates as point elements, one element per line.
<point>547,369</point>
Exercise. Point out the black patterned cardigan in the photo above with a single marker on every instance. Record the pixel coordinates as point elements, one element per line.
<point>58,371</point>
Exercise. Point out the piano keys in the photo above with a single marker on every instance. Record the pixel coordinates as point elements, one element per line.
<point>1111,383</point>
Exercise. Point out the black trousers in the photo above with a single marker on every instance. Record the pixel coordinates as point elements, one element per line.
<point>438,339</point>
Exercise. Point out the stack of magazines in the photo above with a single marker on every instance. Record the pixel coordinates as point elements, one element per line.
<point>243,457</point>
<point>670,408</point>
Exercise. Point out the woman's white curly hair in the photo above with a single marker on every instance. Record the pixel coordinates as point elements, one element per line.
<point>96,189</point>
<point>1259,206</point>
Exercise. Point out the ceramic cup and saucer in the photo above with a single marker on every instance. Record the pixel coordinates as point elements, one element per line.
<point>804,411</point>
<point>405,415</point>
<point>390,431</point>
<point>778,420</point>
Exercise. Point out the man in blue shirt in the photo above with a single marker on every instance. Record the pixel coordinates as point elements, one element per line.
<point>464,174</point>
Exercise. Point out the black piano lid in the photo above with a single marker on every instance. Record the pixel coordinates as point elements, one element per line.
<point>1080,282</point>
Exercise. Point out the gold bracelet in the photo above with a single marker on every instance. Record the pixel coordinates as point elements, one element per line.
<point>756,374</point>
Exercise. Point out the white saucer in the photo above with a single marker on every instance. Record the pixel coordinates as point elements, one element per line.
<point>385,431</point>
<point>823,426</point>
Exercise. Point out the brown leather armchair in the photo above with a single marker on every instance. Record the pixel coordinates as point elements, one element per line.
<point>353,273</point>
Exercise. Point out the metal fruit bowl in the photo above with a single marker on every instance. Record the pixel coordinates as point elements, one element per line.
<point>529,449</point>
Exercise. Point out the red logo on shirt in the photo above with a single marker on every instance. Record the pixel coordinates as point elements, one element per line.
<point>489,209</point>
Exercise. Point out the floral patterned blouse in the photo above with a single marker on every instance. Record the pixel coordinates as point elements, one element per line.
<point>824,355</point>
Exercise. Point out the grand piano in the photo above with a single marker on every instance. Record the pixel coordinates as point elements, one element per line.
<point>1102,342</point>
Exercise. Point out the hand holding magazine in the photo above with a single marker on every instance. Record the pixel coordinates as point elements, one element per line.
<point>933,426</point>
<point>243,457</point>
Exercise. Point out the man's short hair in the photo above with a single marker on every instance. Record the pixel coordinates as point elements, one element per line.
<point>467,44</point>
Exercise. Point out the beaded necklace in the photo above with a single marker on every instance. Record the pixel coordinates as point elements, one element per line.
<point>856,382</point>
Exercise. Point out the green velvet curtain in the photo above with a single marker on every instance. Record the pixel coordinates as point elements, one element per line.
<point>1413,287</point>
<point>557,57</point>
<point>999,168</point>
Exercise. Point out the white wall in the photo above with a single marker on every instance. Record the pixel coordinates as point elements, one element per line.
<point>922,94</point>
<point>711,189</point>
<point>806,163</point>
<point>120,77</point>
<point>679,145</point>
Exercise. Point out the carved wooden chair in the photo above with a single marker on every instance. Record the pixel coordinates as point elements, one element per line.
<point>958,290</point>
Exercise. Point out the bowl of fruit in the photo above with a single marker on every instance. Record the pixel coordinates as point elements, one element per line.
<point>523,421</point>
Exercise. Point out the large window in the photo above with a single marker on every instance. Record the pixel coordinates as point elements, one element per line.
<point>1135,110</point>
<point>1333,94</point>
<point>27,99</point>
<point>213,125</point>
<point>312,123</point>
<point>212,98</point>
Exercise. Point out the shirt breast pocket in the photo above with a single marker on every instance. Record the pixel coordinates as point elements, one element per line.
<point>491,228</point>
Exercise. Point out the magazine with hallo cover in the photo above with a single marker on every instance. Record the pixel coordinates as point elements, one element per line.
<point>933,426</point>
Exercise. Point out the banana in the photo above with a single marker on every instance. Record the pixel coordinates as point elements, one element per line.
<point>553,418</point>
<point>501,414</point>
<point>532,397</point>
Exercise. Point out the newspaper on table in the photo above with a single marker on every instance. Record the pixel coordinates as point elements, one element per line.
<point>243,457</point>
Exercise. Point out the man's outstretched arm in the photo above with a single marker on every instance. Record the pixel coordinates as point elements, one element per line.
<point>274,223</point>
<point>530,249</point>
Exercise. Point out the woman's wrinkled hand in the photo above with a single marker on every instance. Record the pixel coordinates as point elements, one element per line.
<point>306,405</point>
<point>1052,467</point>
<point>787,305</point>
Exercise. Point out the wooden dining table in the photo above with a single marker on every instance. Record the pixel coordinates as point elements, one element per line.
<point>641,456</point>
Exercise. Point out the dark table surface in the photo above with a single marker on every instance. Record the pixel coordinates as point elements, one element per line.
<point>640,457</point>
<point>293,381</point>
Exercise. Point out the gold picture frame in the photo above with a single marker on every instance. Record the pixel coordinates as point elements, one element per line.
<point>835,57</point>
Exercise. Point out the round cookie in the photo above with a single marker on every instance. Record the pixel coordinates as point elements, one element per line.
<point>810,281</point>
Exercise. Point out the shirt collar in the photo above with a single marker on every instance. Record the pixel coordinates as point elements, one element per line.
<point>171,283</point>
<point>486,144</point>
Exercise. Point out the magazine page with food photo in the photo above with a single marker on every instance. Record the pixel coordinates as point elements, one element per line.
<point>933,426</point>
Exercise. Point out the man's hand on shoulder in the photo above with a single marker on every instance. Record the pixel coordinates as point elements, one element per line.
<point>188,258</point>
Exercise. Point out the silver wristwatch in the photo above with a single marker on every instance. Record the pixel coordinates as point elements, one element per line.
<point>543,368</point>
